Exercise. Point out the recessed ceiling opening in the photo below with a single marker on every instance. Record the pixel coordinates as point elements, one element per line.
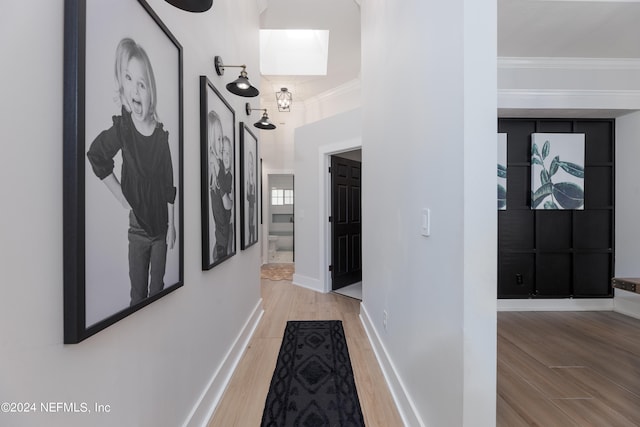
<point>294,52</point>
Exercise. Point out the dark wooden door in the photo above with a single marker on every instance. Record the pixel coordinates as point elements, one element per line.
<point>346,222</point>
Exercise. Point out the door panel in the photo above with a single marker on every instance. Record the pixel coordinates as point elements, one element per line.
<point>346,222</point>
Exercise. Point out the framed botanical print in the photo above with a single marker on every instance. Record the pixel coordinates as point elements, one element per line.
<point>557,171</point>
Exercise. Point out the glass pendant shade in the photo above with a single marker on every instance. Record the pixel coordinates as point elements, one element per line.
<point>284,99</point>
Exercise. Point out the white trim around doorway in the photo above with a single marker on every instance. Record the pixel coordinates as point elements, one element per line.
<point>324,193</point>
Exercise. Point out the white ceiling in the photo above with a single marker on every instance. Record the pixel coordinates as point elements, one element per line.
<point>526,28</point>
<point>584,29</point>
<point>341,18</point>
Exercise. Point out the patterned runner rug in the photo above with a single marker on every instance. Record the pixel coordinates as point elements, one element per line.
<point>313,381</point>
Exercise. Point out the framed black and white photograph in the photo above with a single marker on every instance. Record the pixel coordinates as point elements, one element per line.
<point>248,186</point>
<point>217,156</point>
<point>123,130</point>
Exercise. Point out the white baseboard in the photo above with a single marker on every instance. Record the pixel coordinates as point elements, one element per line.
<point>404,403</point>
<point>627,303</point>
<point>308,282</point>
<point>560,304</point>
<point>203,409</point>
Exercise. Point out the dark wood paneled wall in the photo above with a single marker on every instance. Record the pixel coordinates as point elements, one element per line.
<point>561,253</point>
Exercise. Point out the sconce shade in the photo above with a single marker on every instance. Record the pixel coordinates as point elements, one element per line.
<point>239,86</point>
<point>242,87</point>
<point>264,122</point>
<point>192,5</point>
<point>284,99</point>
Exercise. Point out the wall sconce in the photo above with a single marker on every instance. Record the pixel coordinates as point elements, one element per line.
<point>264,122</point>
<point>284,99</point>
<point>192,5</point>
<point>241,85</point>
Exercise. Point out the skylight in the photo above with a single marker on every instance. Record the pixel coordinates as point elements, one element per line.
<point>294,52</point>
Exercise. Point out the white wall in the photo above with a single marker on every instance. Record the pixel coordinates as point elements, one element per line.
<point>158,365</point>
<point>432,147</point>
<point>627,205</point>
<point>313,144</point>
<point>278,145</point>
<point>345,97</point>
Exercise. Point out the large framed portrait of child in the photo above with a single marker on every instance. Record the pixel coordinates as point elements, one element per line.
<point>217,157</point>
<point>123,136</point>
<point>248,187</point>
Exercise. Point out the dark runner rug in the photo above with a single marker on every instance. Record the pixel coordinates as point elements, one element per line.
<point>313,385</point>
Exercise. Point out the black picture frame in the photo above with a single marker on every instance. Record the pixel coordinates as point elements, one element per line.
<point>217,176</point>
<point>249,184</point>
<point>98,291</point>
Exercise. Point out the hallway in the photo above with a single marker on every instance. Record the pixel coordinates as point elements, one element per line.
<point>244,398</point>
<point>554,368</point>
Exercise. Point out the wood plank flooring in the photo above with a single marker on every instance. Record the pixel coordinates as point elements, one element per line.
<point>568,369</point>
<point>244,398</point>
<point>554,368</point>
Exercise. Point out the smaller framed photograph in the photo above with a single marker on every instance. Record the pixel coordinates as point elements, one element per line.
<point>217,157</point>
<point>248,186</point>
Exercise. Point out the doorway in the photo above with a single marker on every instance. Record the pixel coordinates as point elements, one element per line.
<point>281,248</point>
<point>346,223</point>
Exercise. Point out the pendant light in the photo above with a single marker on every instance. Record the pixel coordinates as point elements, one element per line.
<point>284,99</point>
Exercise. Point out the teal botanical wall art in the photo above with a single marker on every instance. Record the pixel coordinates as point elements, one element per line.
<point>502,171</point>
<point>557,171</point>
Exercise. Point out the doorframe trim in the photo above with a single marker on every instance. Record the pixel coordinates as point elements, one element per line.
<point>324,195</point>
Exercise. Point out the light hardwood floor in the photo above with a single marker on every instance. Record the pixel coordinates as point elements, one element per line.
<point>244,398</point>
<point>568,369</point>
<point>554,368</point>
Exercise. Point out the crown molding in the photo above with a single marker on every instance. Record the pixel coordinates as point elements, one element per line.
<point>563,98</point>
<point>569,63</point>
<point>350,86</point>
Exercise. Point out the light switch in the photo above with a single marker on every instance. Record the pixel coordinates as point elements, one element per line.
<point>425,229</point>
